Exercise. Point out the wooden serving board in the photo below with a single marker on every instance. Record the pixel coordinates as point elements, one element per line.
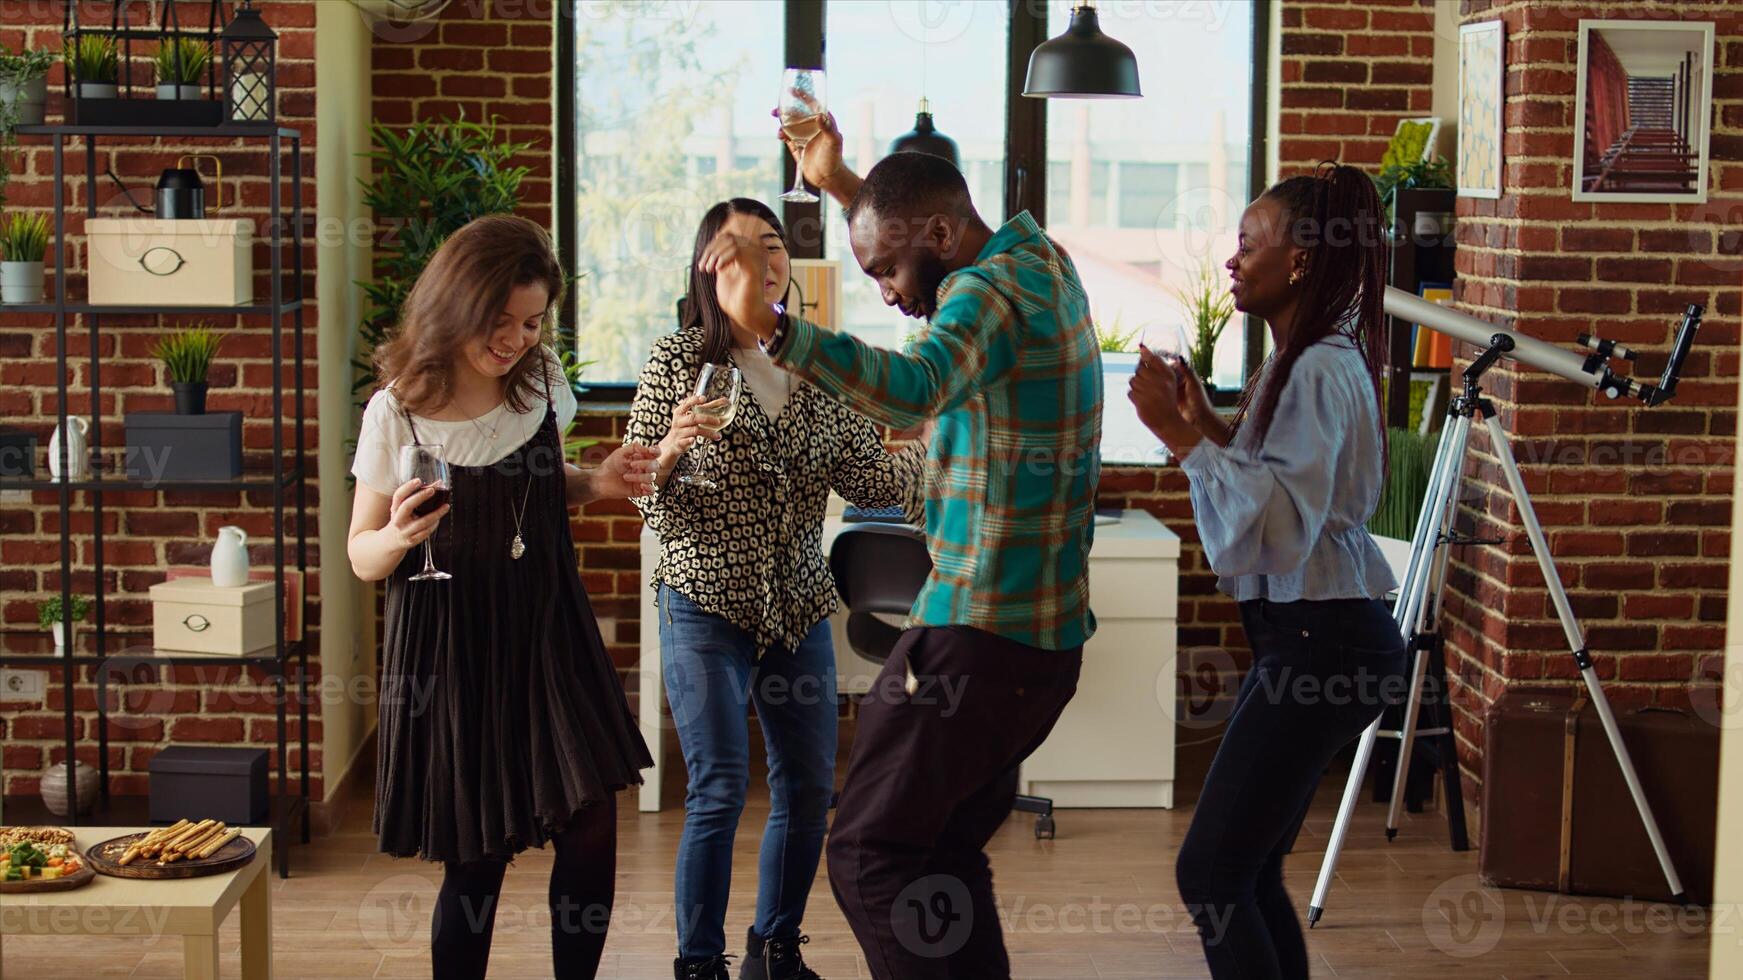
<point>77,879</point>
<point>104,856</point>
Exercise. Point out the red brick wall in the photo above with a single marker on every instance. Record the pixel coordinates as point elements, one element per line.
<point>1350,71</point>
<point>1636,502</point>
<point>146,530</point>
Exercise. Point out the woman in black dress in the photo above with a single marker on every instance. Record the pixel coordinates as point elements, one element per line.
<point>503,724</point>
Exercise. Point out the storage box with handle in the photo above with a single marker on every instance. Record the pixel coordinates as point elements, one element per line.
<point>1557,815</point>
<point>170,262</point>
<point>195,616</point>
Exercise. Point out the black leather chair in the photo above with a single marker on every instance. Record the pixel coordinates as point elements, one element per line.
<point>879,569</point>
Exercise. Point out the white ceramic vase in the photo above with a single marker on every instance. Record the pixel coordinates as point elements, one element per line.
<point>230,558</point>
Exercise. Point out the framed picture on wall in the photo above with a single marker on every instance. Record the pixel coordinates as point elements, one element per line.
<point>1643,116</point>
<point>1482,98</point>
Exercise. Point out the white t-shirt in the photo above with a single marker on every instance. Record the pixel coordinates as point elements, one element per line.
<point>772,385</point>
<point>466,442</point>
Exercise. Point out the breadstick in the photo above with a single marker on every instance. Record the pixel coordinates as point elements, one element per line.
<point>145,845</point>
<point>187,848</point>
<point>218,845</point>
<point>198,829</point>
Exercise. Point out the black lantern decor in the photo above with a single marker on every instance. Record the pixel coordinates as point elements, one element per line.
<point>250,53</point>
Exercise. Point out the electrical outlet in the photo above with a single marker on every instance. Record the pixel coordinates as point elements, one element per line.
<point>21,685</point>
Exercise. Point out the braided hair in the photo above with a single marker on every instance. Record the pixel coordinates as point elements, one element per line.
<point>1333,213</point>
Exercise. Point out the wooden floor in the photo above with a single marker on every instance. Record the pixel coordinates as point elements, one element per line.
<point>1099,901</point>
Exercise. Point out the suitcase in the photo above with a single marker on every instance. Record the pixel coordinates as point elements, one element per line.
<point>1556,812</point>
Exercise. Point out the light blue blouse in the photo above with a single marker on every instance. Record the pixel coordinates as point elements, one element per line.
<point>1285,520</point>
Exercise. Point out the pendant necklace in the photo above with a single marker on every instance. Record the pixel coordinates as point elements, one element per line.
<point>517,547</point>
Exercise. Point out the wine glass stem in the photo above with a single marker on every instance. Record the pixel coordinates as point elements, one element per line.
<point>429,562</point>
<point>799,168</point>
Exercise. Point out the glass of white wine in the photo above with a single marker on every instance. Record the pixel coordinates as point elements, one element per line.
<point>802,108</point>
<point>718,385</point>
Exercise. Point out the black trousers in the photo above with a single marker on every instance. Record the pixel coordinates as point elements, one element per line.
<point>930,779</point>
<point>583,885</point>
<point>1321,672</point>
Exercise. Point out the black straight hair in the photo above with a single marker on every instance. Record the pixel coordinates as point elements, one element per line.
<point>701,306</point>
<point>1335,215</point>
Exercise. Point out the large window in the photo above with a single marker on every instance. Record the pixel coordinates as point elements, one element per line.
<point>671,113</point>
<point>882,58</point>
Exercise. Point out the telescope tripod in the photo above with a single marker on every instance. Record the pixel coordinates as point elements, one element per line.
<point>1418,609</point>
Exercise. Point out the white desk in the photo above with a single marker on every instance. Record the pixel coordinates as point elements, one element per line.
<point>1114,746</point>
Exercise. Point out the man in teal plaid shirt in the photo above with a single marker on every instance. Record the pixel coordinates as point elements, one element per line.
<point>1011,370</point>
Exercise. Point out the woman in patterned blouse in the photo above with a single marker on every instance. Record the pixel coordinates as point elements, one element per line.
<point>744,599</point>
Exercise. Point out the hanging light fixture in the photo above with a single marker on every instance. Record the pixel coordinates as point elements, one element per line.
<point>1082,63</point>
<point>925,137</point>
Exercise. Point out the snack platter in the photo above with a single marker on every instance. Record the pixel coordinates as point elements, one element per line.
<point>41,859</point>
<point>187,849</point>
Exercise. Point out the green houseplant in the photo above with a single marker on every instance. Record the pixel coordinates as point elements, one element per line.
<point>1411,175</point>
<point>428,180</point>
<point>187,357</point>
<point>1409,457</point>
<point>23,244</point>
<point>49,616</point>
<point>96,66</point>
<point>1208,307</point>
<point>180,63</point>
<point>23,100</point>
<point>1113,340</point>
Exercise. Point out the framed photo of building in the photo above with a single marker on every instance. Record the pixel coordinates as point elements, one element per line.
<point>1482,99</point>
<point>1643,116</point>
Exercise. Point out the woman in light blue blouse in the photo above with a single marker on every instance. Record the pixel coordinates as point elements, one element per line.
<point>1281,497</point>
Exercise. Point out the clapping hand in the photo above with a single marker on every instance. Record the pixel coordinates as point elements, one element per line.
<point>1156,394</point>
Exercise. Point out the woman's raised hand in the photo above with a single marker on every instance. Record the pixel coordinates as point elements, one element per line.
<point>686,429</point>
<point>1195,404</point>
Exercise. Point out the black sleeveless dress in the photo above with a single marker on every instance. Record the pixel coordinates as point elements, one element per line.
<point>501,712</point>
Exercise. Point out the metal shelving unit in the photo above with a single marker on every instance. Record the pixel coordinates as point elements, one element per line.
<point>285,477</point>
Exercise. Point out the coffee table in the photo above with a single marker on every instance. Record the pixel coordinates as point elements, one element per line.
<point>192,908</point>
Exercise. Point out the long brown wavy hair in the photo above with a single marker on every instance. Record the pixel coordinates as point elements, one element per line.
<point>1335,215</point>
<point>457,299</point>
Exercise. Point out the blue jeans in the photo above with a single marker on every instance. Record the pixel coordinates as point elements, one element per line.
<point>1321,671</point>
<point>712,676</point>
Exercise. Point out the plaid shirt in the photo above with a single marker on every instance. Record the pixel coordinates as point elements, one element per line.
<point>1012,371</point>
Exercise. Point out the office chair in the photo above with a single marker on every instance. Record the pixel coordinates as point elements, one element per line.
<point>879,568</point>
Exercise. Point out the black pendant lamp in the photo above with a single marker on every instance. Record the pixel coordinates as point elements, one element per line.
<point>925,138</point>
<point>1082,63</point>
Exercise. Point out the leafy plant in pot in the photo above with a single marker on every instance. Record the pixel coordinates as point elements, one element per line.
<point>1414,174</point>
<point>1208,307</point>
<point>23,244</point>
<point>187,355</point>
<point>96,66</point>
<point>24,86</point>
<point>49,616</point>
<point>180,63</point>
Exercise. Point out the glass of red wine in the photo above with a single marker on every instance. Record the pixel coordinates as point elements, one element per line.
<point>429,466</point>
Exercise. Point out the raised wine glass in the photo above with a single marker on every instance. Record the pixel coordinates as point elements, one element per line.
<point>718,385</point>
<point>429,466</point>
<point>802,108</point>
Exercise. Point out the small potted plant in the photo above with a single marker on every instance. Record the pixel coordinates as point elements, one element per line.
<point>1208,307</point>
<point>96,66</point>
<point>187,355</point>
<point>23,244</point>
<point>1113,340</point>
<point>180,63</point>
<point>24,86</point>
<point>49,617</point>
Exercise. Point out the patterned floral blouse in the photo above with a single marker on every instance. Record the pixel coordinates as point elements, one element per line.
<point>751,551</point>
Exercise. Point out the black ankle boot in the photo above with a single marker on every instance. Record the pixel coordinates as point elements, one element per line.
<point>774,959</point>
<point>700,968</point>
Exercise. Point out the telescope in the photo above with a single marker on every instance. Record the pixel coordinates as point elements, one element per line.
<point>1590,368</point>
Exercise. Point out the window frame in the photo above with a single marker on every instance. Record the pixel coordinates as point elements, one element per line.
<point>805,32</point>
